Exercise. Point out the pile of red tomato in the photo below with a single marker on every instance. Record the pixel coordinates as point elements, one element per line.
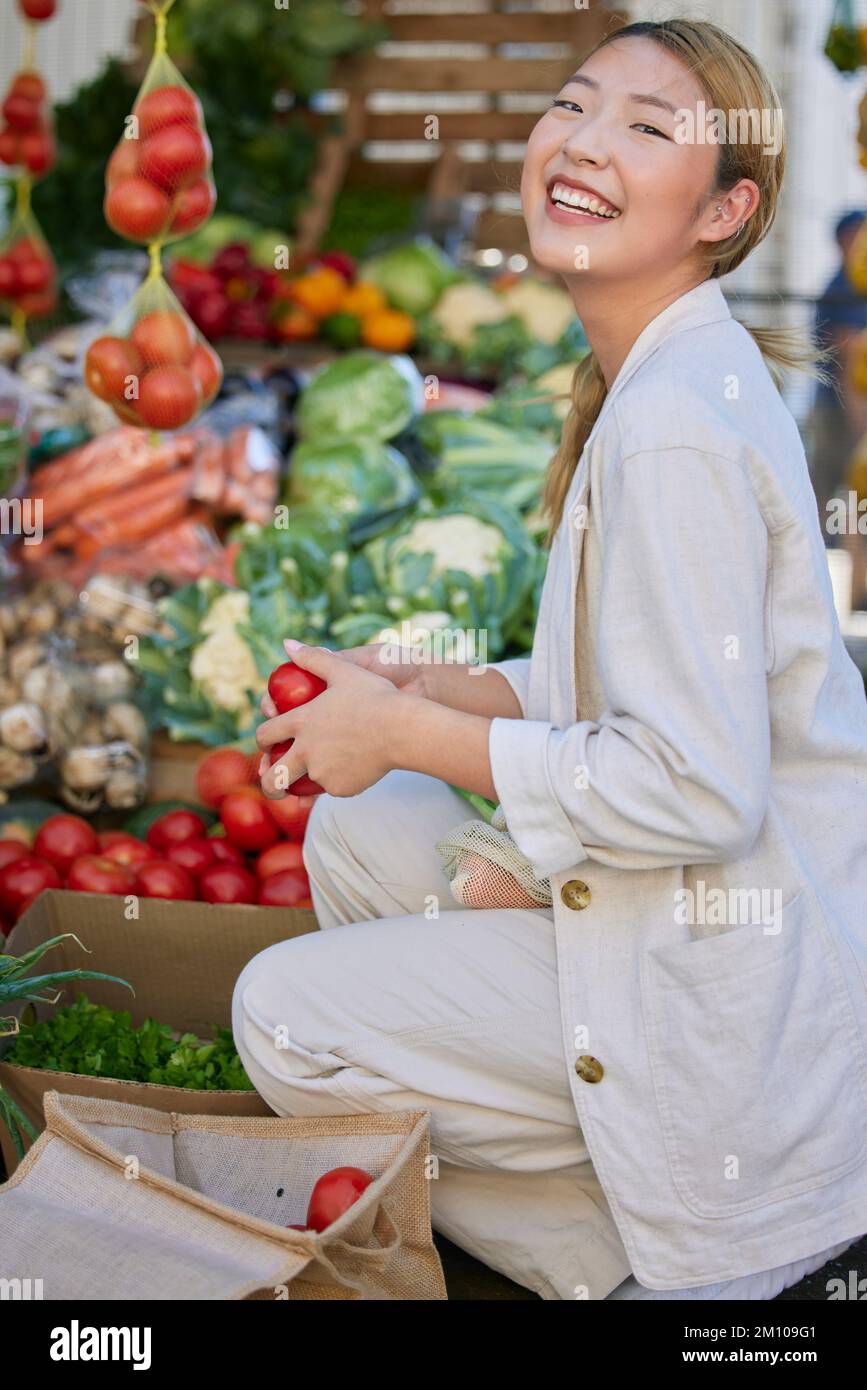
<point>28,277</point>
<point>160,376</point>
<point>255,858</point>
<point>26,138</point>
<point>158,180</point>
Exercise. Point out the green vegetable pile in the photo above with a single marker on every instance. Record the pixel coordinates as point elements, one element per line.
<point>92,1040</point>
<point>392,515</point>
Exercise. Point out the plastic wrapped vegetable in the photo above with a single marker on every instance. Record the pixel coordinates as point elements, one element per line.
<point>158,180</point>
<point>151,365</point>
<point>27,135</point>
<point>28,272</point>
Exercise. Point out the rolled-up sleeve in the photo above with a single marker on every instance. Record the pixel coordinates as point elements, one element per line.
<point>516,670</point>
<point>677,768</point>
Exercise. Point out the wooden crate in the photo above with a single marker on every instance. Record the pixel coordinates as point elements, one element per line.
<point>494,72</point>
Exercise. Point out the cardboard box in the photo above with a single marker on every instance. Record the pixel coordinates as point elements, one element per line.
<point>181,958</point>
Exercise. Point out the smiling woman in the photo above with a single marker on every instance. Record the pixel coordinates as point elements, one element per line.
<point>619,1091</point>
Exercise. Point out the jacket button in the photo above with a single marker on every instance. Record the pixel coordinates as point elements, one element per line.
<point>589,1068</point>
<point>575,894</point>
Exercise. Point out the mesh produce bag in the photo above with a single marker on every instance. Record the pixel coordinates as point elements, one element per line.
<point>158,183</point>
<point>486,868</point>
<point>152,366</point>
<point>120,1202</point>
<point>26,132</point>
<point>28,273</point>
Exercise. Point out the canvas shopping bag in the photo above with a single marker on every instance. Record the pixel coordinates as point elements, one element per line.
<point>118,1201</point>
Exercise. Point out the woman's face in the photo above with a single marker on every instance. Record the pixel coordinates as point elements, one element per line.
<point>625,152</point>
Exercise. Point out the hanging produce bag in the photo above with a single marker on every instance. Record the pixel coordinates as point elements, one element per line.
<point>26,133</point>
<point>28,273</point>
<point>152,366</point>
<point>158,183</point>
<point>208,1212</point>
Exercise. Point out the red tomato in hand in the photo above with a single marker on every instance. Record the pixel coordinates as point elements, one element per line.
<point>128,851</point>
<point>175,827</point>
<point>223,771</point>
<point>95,873</point>
<point>63,839</point>
<point>164,338</point>
<point>225,852</point>
<point>164,106</point>
<point>288,888</point>
<point>108,365</point>
<point>168,398</point>
<point>303,785</point>
<point>193,206</point>
<point>335,1193</point>
<point>292,813</point>
<point>10,850</point>
<point>285,855</point>
<point>290,686</point>
<point>23,879</point>
<point>194,855</point>
<point>136,209</point>
<point>228,883</point>
<point>247,819</point>
<point>173,156</point>
<point>157,878</point>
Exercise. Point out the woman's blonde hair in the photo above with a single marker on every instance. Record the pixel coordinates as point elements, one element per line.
<point>733,81</point>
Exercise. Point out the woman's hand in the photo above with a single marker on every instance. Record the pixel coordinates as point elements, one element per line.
<point>391,661</point>
<point>342,738</point>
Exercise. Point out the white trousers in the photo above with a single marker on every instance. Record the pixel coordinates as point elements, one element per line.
<point>408,1001</point>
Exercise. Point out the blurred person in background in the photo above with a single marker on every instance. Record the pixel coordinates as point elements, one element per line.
<point>838,418</point>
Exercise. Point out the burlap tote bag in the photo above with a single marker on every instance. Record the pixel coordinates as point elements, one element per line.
<point>121,1202</point>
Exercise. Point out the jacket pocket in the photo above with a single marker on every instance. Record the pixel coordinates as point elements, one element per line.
<point>758,1066</point>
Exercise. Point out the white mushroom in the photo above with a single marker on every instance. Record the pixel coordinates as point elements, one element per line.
<point>23,656</point>
<point>22,727</point>
<point>123,721</point>
<point>125,788</point>
<point>111,680</point>
<point>83,801</point>
<point>16,769</point>
<point>85,769</point>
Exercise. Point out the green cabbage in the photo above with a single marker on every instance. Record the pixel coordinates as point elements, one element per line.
<point>412,277</point>
<point>360,393</point>
<point>358,480</point>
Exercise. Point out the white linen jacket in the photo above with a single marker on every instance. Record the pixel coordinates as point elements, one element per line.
<point>717,1054</point>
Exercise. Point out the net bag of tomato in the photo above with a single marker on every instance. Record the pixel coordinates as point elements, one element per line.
<point>212,1210</point>
<point>158,182</point>
<point>26,132</point>
<point>151,365</point>
<point>28,272</point>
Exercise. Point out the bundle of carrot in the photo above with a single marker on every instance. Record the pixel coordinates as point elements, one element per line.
<point>144,505</point>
